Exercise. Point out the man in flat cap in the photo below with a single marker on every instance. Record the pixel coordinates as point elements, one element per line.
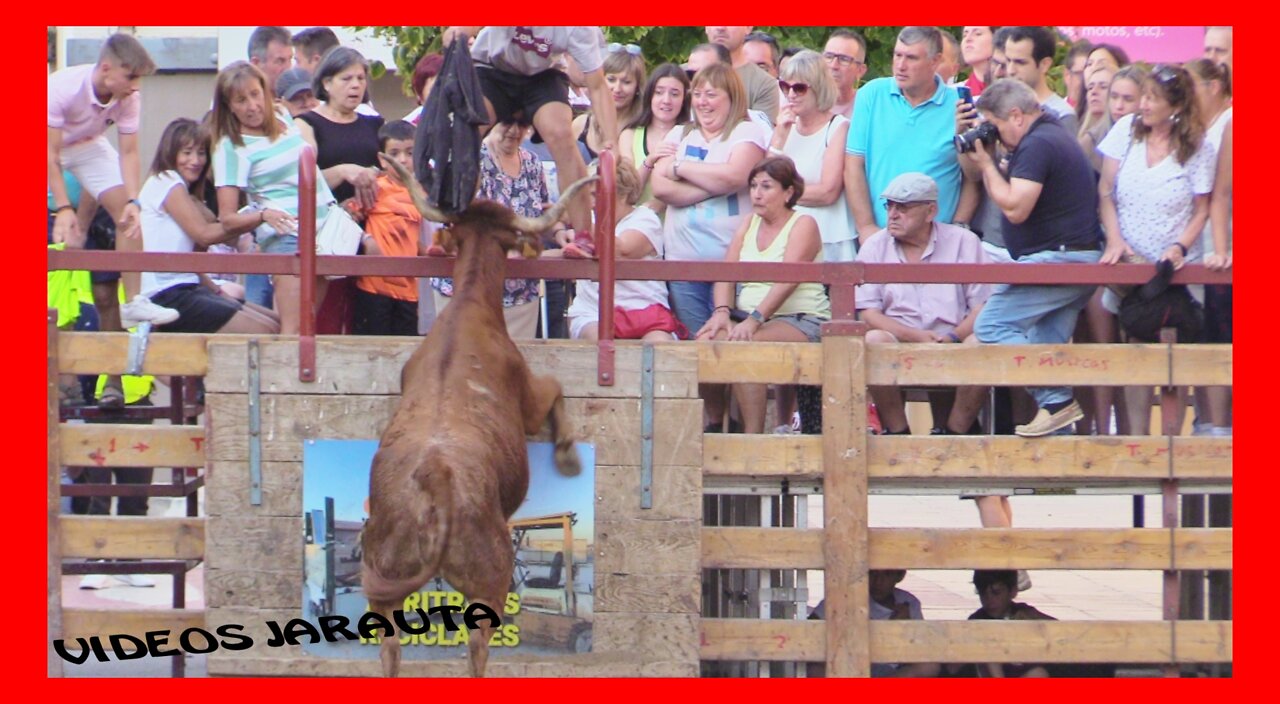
<point>941,313</point>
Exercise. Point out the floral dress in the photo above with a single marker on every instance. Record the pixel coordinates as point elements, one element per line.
<point>525,195</point>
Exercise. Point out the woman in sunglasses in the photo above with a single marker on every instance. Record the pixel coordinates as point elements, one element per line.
<point>1157,174</point>
<point>814,136</point>
<point>624,73</point>
<point>664,105</point>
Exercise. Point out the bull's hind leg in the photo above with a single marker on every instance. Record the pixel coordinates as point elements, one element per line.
<point>390,650</point>
<point>485,580</point>
<point>545,402</point>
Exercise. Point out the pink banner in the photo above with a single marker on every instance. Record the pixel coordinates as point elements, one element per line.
<point>1150,44</point>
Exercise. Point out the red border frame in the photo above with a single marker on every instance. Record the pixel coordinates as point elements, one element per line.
<point>27,644</point>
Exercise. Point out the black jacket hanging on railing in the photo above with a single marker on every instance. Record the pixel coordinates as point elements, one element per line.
<point>446,148</point>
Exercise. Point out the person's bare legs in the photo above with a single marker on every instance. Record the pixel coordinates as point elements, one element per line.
<point>114,200</point>
<point>1097,325</point>
<point>288,298</point>
<point>753,398</point>
<point>994,511</point>
<point>251,322</point>
<point>554,123</point>
<point>888,399</point>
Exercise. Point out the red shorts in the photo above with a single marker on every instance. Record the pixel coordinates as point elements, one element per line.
<point>634,324</point>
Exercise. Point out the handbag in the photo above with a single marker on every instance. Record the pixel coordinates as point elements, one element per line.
<point>338,233</point>
<point>1157,304</point>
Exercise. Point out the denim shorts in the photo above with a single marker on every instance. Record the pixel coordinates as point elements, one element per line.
<point>692,302</point>
<point>807,323</point>
<point>278,244</point>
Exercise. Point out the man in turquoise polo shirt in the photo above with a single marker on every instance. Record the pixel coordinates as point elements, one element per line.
<point>903,123</point>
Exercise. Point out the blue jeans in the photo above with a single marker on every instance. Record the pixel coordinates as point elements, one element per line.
<point>1025,314</point>
<point>258,289</point>
<point>692,302</point>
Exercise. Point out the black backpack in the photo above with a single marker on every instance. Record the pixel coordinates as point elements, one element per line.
<point>1157,304</point>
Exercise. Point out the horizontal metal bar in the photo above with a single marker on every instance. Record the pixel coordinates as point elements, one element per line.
<point>829,273</point>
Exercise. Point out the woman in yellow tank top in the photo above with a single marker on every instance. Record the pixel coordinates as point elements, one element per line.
<point>775,312</point>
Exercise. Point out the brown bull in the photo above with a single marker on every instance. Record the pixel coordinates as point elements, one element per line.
<point>451,466</point>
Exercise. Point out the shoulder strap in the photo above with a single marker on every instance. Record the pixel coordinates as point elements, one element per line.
<point>826,138</point>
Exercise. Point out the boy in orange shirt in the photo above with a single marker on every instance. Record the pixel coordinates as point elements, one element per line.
<point>388,305</point>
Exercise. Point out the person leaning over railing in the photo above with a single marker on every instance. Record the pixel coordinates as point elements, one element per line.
<point>775,232</point>
<point>926,313</point>
<point>1050,214</point>
<point>1156,180</point>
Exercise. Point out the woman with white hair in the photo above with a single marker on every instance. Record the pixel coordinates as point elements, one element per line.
<point>813,136</point>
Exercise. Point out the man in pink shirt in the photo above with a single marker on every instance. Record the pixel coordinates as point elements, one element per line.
<point>83,102</point>
<point>928,313</point>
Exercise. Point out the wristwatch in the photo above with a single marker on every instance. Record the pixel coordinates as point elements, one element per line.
<point>756,316</point>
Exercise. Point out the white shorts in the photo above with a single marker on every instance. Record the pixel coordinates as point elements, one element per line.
<point>842,251</point>
<point>95,164</point>
<point>577,323</point>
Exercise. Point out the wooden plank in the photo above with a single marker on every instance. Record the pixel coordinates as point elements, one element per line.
<point>227,489</point>
<point>372,365</point>
<point>253,625</point>
<point>232,586</point>
<point>1017,365</point>
<point>558,666</point>
<point>148,538</point>
<point>85,623</point>
<point>53,497</point>
<point>116,445</point>
<point>648,547</point>
<point>978,548</point>
<point>763,639</point>
<point>108,353</point>
<point>287,420</point>
<point>976,641</point>
<point>252,543</point>
<point>1202,365</point>
<point>760,362</point>
<point>647,635</point>
<point>649,593</point>
<point>775,456</point>
<point>762,548</point>
<point>845,551</point>
<point>1049,641</point>
<point>677,493</point>
<point>981,458</point>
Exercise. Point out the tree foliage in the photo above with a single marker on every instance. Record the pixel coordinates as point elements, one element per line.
<point>662,44</point>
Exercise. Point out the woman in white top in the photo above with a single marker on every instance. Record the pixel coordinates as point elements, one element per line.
<point>641,310</point>
<point>1157,175</point>
<point>256,152</point>
<point>814,136</point>
<point>704,185</point>
<point>775,232</point>
<point>175,220</point>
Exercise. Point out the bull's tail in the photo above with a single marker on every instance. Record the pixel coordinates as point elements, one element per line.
<point>420,537</point>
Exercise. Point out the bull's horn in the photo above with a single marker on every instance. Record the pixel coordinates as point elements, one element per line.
<point>543,222</point>
<point>418,195</point>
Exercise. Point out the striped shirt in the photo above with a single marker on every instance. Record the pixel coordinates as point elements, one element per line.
<point>268,171</point>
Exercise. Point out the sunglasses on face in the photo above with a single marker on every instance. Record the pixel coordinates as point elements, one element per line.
<point>615,47</point>
<point>842,59</point>
<point>798,88</point>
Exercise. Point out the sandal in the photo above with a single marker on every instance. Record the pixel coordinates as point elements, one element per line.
<point>112,398</point>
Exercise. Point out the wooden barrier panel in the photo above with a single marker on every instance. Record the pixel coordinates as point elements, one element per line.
<point>979,548</point>
<point>108,353</point>
<point>104,537</point>
<point>115,445</point>
<point>84,623</point>
<point>1202,365</point>
<point>759,362</point>
<point>978,458</point>
<point>1051,641</point>
<point>978,641</point>
<point>371,366</point>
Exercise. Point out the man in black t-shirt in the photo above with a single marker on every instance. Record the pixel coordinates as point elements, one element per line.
<point>1049,207</point>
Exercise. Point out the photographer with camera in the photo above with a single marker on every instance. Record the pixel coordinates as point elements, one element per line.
<point>1050,214</point>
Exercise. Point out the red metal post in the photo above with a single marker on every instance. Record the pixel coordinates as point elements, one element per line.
<point>307,268</point>
<point>605,190</point>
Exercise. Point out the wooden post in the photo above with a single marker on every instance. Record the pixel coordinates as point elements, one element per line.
<point>54,497</point>
<point>1171,413</point>
<point>844,461</point>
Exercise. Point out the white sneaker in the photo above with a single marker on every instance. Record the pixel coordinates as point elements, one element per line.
<point>141,309</point>
<point>94,581</point>
<point>136,580</point>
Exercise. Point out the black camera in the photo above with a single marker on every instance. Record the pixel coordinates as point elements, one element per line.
<point>984,132</point>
